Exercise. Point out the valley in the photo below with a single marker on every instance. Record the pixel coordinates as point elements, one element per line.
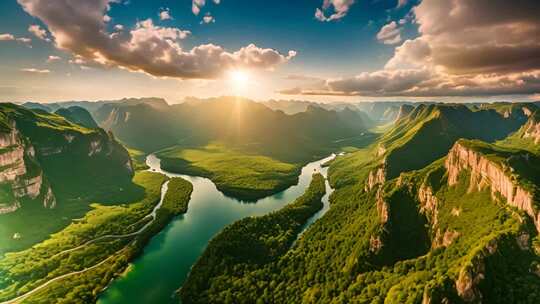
<point>205,217</point>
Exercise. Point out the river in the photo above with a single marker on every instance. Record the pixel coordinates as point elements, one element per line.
<point>167,259</point>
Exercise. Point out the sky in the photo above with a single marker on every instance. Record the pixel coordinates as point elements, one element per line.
<point>320,50</point>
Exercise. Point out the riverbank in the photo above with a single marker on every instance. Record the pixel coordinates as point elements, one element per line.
<point>119,234</point>
<point>169,256</point>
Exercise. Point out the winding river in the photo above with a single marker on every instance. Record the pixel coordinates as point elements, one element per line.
<point>167,259</point>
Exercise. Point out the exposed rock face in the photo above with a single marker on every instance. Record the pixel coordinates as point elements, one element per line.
<point>382,207</point>
<point>375,244</point>
<point>16,157</point>
<point>376,177</point>
<point>95,147</point>
<point>468,280</point>
<point>532,130</point>
<point>444,239</point>
<point>486,173</point>
<point>429,203</point>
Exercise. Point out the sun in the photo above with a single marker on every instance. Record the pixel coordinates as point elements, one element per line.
<point>239,78</point>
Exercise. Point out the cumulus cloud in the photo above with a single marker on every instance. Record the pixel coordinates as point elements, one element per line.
<point>390,34</point>
<point>78,27</point>
<point>464,48</point>
<point>337,9</point>
<point>483,36</point>
<point>165,14</point>
<point>35,71</point>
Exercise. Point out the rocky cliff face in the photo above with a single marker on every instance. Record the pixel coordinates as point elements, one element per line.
<point>531,130</point>
<point>19,174</point>
<point>375,177</point>
<point>41,153</point>
<point>487,173</point>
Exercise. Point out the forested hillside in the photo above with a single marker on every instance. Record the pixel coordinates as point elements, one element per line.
<point>452,221</point>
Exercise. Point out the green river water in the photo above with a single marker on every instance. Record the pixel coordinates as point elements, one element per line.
<point>167,259</point>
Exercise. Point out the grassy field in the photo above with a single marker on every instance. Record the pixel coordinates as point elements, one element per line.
<point>234,172</point>
<point>86,245</point>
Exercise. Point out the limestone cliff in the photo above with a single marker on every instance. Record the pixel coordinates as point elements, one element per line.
<point>41,153</point>
<point>531,129</point>
<point>486,172</point>
<point>20,176</point>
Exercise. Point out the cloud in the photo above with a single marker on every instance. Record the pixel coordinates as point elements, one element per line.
<point>424,83</point>
<point>38,32</point>
<point>390,34</point>
<point>208,19</point>
<point>464,48</point>
<point>78,27</point>
<point>340,10</point>
<point>11,37</point>
<point>6,37</point>
<point>401,3</point>
<point>35,71</point>
<point>483,36</point>
<point>165,14</point>
<point>53,58</point>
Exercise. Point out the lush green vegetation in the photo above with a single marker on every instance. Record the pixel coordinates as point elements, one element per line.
<point>139,159</point>
<point>81,165</point>
<point>177,197</point>
<point>247,245</point>
<point>235,173</point>
<point>100,245</point>
<point>78,115</point>
<point>387,245</point>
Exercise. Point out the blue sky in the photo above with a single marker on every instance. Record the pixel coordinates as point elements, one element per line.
<point>340,59</point>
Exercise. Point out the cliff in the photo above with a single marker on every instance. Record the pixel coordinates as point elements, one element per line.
<point>493,173</point>
<point>20,176</point>
<point>531,130</point>
<point>44,155</point>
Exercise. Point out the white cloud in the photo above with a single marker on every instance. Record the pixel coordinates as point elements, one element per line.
<point>165,14</point>
<point>37,31</point>
<point>35,71</point>
<point>53,58</point>
<point>337,8</point>
<point>208,19</point>
<point>11,37</point>
<point>196,6</point>
<point>390,34</point>
<point>6,37</point>
<point>464,48</point>
<point>78,27</point>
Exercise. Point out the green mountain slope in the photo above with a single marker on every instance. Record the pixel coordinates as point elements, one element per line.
<point>420,216</point>
<point>78,115</point>
<point>527,137</point>
<point>47,162</point>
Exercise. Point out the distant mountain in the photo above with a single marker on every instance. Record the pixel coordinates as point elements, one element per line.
<point>78,115</point>
<point>236,121</point>
<point>421,216</point>
<point>92,106</point>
